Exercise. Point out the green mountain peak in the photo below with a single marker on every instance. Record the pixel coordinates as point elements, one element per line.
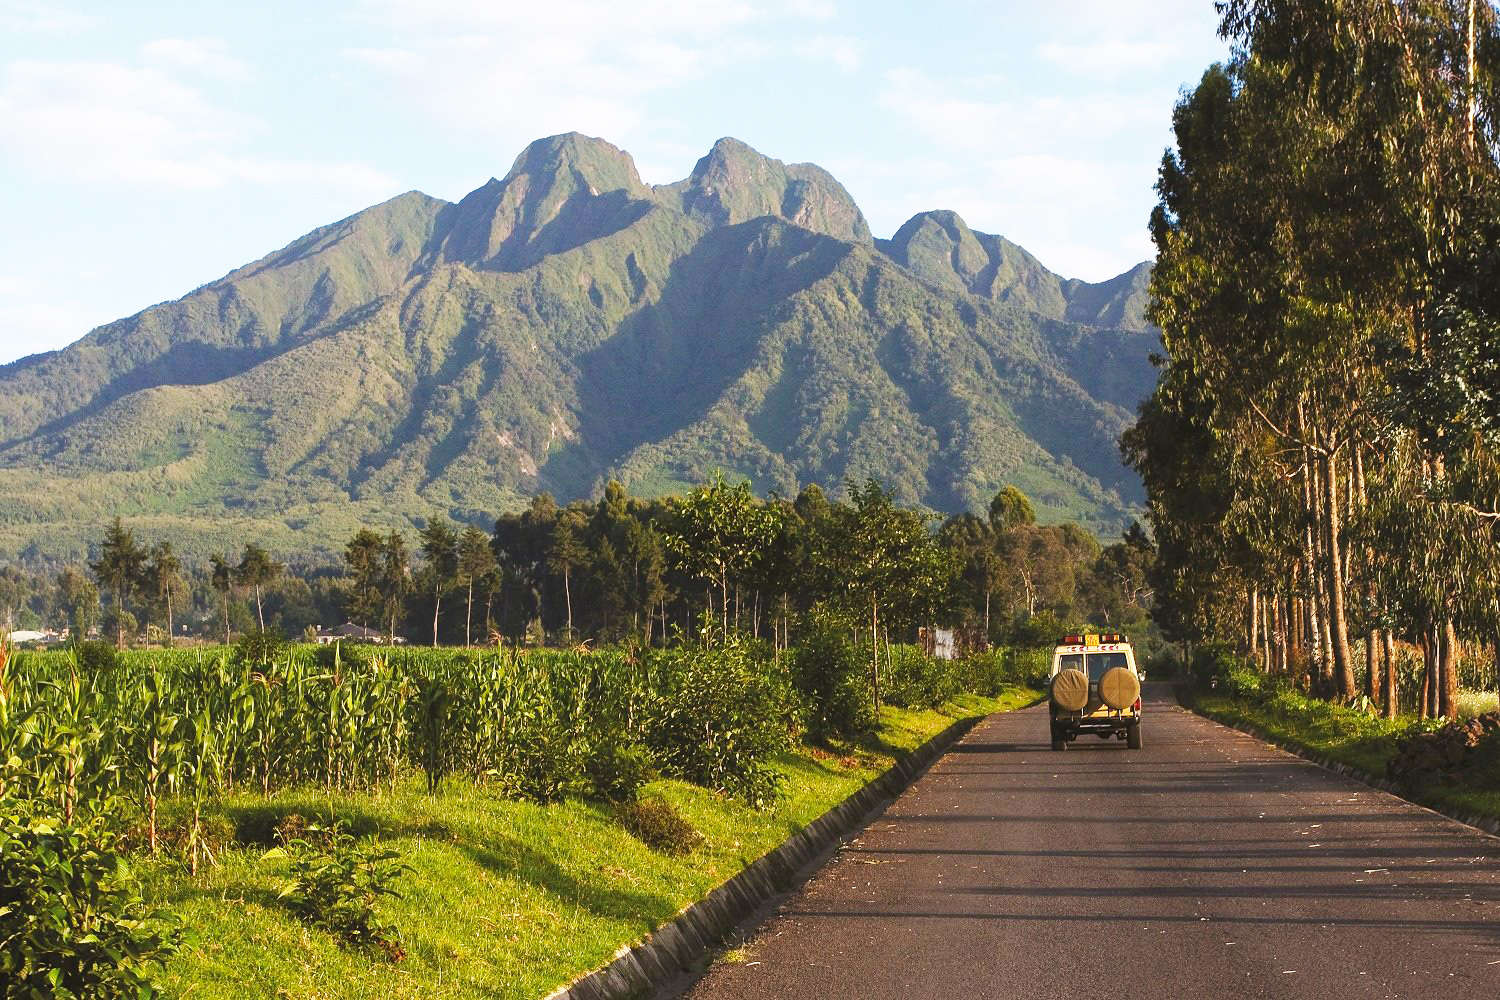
<point>734,183</point>
<point>566,324</point>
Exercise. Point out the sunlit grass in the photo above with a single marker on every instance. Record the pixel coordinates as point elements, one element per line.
<point>1353,736</point>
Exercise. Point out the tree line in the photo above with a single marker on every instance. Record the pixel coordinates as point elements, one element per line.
<point>626,568</point>
<point>1320,455</point>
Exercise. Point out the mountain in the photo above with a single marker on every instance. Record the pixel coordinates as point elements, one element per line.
<point>565,324</point>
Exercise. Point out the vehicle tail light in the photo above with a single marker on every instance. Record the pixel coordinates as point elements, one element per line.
<point>1137,705</point>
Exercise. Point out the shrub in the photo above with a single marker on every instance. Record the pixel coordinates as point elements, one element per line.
<point>916,680</point>
<point>654,822</point>
<point>616,770</point>
<point>69,923</point>
<point>96,655</point>
<point>832,674</point>
<point>260,646</point>
<point>335,888</point>
<point>717,718</point>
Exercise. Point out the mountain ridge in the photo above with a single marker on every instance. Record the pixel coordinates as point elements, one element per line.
<point>568,323</point>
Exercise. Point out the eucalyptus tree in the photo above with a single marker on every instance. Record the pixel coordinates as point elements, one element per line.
<point>221,577</point>
<point>439,544</point>
<point>164,578</point>
<point>476,560</point>
<point>255,570</point>
<point>395,580</point>
<point>118,568</point>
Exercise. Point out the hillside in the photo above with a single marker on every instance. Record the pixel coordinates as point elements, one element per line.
<point>565,324</point>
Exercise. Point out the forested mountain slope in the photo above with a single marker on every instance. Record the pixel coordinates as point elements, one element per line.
<point>566,324</point>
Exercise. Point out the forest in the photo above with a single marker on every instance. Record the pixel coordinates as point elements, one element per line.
<point>1320,453</point>
<point>622,568</point>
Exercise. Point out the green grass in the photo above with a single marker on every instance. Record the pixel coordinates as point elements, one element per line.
<point>508,899</point>
<point>1348,735</point>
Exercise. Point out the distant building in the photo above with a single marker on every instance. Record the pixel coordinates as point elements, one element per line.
<point>30,635</point>
<point>350,632</point>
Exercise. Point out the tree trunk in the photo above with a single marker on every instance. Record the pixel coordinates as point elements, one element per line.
<point>1448,671</point>
<point>1389,698</point>
<point>1429,668</point>
<point>1343,662</point>
<point>437,604</point>
<point>1312,634</point>
<point>226,617</point>
<point>260,613</point>
<point>568,598</point>
<point>875,652</point>
<point>469,616</point>
<point>1252,624</point>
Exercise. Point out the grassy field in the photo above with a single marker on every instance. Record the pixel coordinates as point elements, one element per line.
<point>1354,737</point>
<point>507,898</point>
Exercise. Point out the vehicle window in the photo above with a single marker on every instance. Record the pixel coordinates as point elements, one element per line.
<point>1072,661</point>
<point>1100,663</point>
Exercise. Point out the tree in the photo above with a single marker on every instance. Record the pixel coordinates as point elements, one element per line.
<point>880,553</point>
<point>164,576</point>
<point>567,551</point>
<point>79,599</point>
<point>476,560</point>
<point>255,570</point>
<point>718,531</point>
<point>221,576</point>
<point>395,580</point>
<point>440,549</point>
<point>363,555</point>
<point>118,568</point>
<point>1011,509</point>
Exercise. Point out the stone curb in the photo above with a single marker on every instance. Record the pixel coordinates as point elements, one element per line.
<point>1480,823</point>
<point>684,941</point>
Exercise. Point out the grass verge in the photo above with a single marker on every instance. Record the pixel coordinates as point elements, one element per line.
<point>1352,737</point>
<point>506,898</point>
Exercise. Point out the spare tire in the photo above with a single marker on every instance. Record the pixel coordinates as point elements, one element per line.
<point>1070,690</point>
<point>1119,688</point>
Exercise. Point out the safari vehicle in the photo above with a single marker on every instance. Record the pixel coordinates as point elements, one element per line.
<point>1094,688</point>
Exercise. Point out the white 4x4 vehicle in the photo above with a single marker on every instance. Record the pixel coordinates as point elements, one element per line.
<point>1094,688</point>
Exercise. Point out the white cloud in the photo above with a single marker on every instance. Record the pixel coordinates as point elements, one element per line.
<point>102,121</point>
<point>45,18</point>
<point>586,65</point>
<point>1108,57</point>
<point>210,56</point>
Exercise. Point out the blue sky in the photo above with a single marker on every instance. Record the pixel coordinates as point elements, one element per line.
<point>146,149</point>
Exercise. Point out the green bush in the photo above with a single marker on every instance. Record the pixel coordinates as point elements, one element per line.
<point>616,770</point>
<point>832,675</point>
<point>916,680</point>
<point>95,655</point>
<point>335,888</point>
<point>718,717</point>
<point>654,822</point>
<point>260,646</point>
<point>70,925</point>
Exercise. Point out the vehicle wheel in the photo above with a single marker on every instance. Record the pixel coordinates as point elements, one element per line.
<point>1059,739</point>
<point>1133,736</point>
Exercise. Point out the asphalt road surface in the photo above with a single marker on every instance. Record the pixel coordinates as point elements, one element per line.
<point>1206,865</point>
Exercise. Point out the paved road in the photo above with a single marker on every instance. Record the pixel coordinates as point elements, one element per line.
<point>1207,865</point>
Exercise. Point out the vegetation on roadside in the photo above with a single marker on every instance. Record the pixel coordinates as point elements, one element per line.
<point>1322,452</point>
<point>1233,690</point>
<point>292,785</point>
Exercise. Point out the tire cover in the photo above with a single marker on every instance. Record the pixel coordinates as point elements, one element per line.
<point>1119,688</point>
<point>1070,690</point>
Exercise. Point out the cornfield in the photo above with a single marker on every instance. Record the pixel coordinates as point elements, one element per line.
<point>198,726</point>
